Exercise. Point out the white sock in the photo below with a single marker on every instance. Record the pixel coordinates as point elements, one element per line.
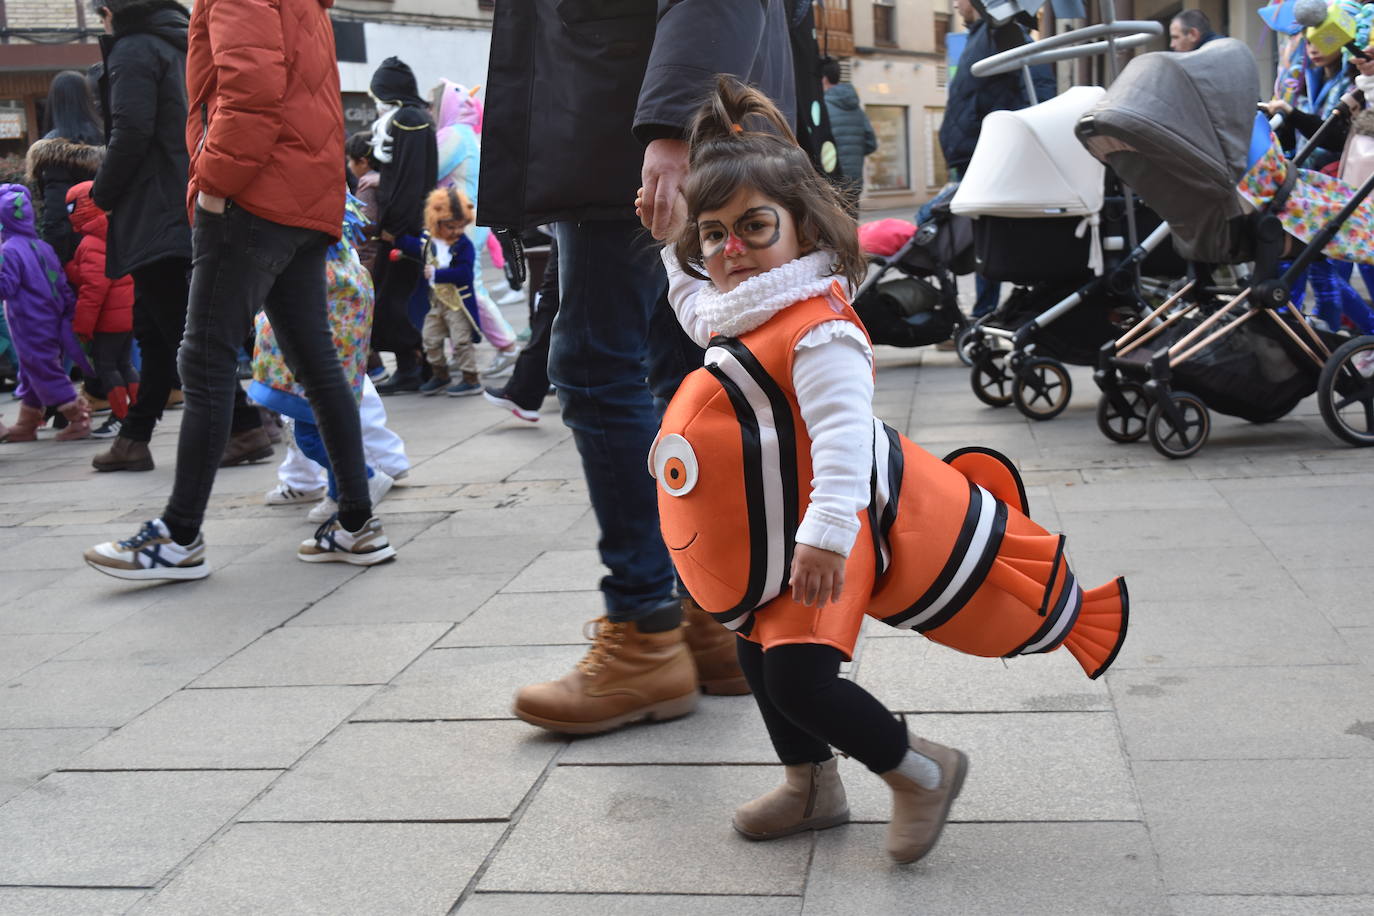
<point>920,769</point>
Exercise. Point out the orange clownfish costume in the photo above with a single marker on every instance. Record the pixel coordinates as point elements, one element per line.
<point>945,547</point>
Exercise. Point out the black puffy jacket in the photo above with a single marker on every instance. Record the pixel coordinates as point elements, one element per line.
<point>972,98</point>
<point>854,137</point>
<point>572,84</point>
<point>142,182</point>
<point>54,165</point>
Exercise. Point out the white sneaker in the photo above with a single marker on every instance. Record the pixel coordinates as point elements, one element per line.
<point>149,555</point>
<point>282,495</point>
<point>378,485</point>
<point>333,544</point>
<point>503,362</point>
<point>323,511</point>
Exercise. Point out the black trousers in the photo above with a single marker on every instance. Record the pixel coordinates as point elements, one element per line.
<point>112,359</point>
<point>808,708</point>
<point>244,262</point>
<point>392,330</point>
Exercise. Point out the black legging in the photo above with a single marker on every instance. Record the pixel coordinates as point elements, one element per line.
<point>808,708</point>
<point>392,330</point>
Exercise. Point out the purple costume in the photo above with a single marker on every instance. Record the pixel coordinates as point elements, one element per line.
<point>39,304</point>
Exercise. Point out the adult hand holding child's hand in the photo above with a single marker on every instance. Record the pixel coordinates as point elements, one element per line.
<point>817,575</point>
<point>665,169</point>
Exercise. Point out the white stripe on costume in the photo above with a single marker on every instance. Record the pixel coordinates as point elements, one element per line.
<point>977,546</point>
<point>1069,615</point>
<point>882,472</point>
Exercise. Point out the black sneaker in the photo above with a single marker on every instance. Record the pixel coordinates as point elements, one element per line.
<point>402,382</point>
<point>107,430</point>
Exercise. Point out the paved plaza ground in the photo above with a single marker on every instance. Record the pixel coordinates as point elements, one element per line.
<point>284,738</point>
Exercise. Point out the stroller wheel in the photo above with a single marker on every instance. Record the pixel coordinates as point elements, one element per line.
<point>965,342</point>
<point>1123,421</point>
<point>1042,388</point>
<point>1345,392</point>
<point>1182,431</point>
<point>991,379</point>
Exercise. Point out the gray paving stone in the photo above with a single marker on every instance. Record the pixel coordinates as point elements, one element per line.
<point>722,730</point>
<point>528,619</point>
<point>226,729</point>
<point>451,596</point>
<point>632,905</point>
<point>85,694</point>
<point>66,901</point>
<point>27,755</point>
<point>1323,546</point>
<point>1264,713</point>
<point>212,624</point>
<point>1340,593</point>
<point>115,829</point>
<point>1361,642</point>
<point>476,553</point>
<point>330,868</point>
<point>1316,905</point>
<point>571,490</point>
<point>1137,496</point>
<point>614,811</point>
<point>1184,573</point>
<point>1260,826</point>
<point>1157,530</point>
<point>74,610</point>
<point>468,683</point>
<point>1216,632</point>
<point>1296,501</point>
<point>912,674</point>
<point>991,870</point>
<point>1022,767</point>
<point>305,656</point>
<point>511,519</point>
<point>20,653</point>
<point>411,772</point>
<point>560,571</point>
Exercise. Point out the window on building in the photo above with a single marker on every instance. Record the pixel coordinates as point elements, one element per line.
<point>888,169</point>
<point>937,172</point>
<point>885,23</point>
<point>941,30</point>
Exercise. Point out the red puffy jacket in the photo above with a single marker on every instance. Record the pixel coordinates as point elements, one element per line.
<point>102,305</point>
<point>265,121</point>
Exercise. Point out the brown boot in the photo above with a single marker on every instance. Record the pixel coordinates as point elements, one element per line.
<point>246,447</point>
<point>713,650</point>
<point>25,429</point>
<point>918,813</point>
<point>78,415</point>
<point>626,677</point>
<point>811,797</point>
<point>124,455</point>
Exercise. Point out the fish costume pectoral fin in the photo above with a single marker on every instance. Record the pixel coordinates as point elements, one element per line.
<point>1096,638</point>
<point>992,471</point>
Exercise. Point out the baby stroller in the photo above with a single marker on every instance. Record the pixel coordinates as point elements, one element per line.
<point>1182,129</point>
<point>920,306</point>
<point>1052,220</point>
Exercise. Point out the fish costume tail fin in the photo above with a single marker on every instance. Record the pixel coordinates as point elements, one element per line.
<point>1100,630</point>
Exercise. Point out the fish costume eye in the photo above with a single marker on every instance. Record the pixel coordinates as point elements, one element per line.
<point>675,465</point>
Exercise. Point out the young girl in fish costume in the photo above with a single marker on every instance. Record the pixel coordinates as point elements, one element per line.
<point>791,513</point>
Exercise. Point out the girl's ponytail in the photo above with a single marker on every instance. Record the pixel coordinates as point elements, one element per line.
<point>730,112</point>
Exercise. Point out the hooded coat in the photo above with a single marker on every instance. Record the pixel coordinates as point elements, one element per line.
<point>54,165</point>
<point>266,125</point>
<point>103,306</point>
<point>38,304</point>
<point>854,137</point>
<point>413,169</point>
<point>142,182</point>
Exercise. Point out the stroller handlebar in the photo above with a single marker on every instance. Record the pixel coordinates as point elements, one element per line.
<point>1085,42</point>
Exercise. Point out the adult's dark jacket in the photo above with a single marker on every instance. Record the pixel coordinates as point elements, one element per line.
<point>142,182</point>
<point>854,137</point>
<point>573,84</point>
<point>414,167</point>
<point>54,165</point>
<point>973,98</point>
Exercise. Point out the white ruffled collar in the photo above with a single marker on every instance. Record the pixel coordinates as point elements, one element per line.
<point>759,298</point>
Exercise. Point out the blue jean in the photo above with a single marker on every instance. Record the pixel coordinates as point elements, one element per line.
<point>989,295</point>
<point>616,356</point>
<point>1336,298</point>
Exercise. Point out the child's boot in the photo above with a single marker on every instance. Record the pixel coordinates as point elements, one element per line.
<point>811,797</point>
<point>924,785</point>
<point>713,650</point>
<point>437,382</point>
<point>25,429</point>
<point>466,386</point>
<point>78,414</point>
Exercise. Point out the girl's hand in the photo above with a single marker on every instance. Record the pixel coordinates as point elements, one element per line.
<point>1274,106</point>
<point>817,575</point>
<point>1366,67</point>
<point>679,217</point>
<point>429,271</point>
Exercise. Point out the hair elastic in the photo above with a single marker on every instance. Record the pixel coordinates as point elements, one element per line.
<point>736,128</point>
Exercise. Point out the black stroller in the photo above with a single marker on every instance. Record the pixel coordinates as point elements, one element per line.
<point>1182,129</point>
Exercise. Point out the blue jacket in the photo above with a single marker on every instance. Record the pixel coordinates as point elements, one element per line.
<point>854,137</point>
<point>972,98</point>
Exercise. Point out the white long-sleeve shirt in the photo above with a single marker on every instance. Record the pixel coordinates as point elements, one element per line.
<point>832,374</point>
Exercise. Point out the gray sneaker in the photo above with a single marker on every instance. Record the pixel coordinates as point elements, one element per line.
<point>333,544</point>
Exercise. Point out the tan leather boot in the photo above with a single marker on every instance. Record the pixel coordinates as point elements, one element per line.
<point>919,814</point>
<point>25,429</point>
<point>78,414</point>
<point>124,455</point>
<point>811,797</point>
<point>246,447</point>
<point>713,650</point>
<point>627,676</point>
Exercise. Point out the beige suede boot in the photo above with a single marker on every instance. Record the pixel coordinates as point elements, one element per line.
<point>78,414</point>
<point>919,813</point>
<point>25,429</point>
<point>628,676</point>
<point>811,797</point>
<point>713,651</point>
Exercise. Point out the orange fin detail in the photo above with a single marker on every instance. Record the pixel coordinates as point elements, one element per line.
<point>992,471</point>
<point>1100,631</point>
